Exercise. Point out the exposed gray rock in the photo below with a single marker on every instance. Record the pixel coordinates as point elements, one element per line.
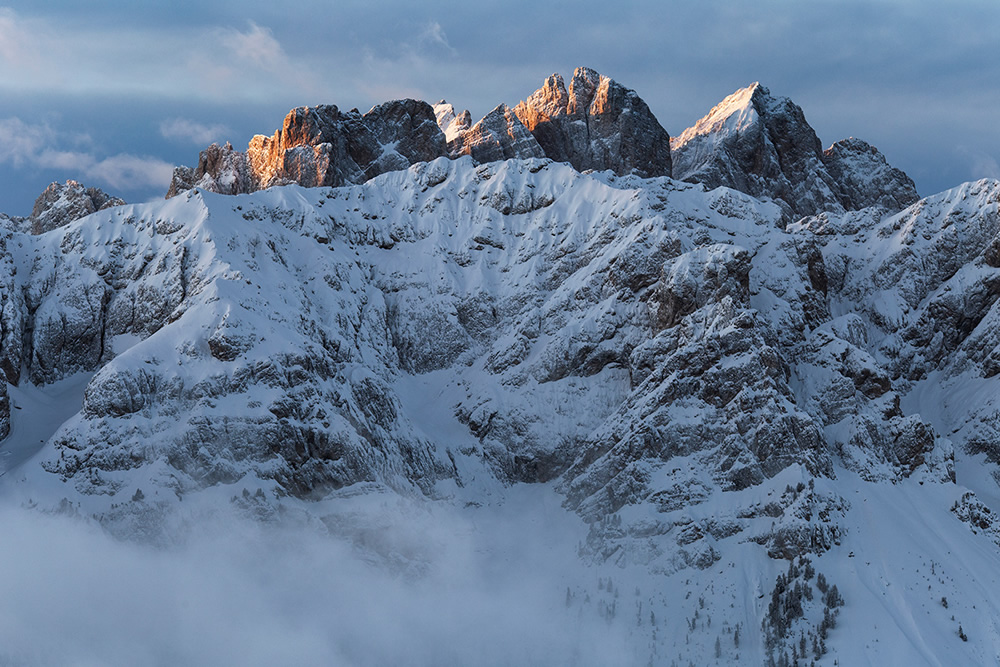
<point>408,132</point>
<point>62,203</point>
<point>762,145</point>
<point>597,124</point>
<point>321,146</point>
<point>220,169</point>
<point>498,136</point>
<point>4,411</point>
<point>866,178</point>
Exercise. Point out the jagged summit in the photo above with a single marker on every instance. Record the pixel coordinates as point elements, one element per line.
<point>596,124</point>
<point>62,203</point>
<point>762,145</point>
<point>500,135</point>
<point>451,123</point>
<point>752,141</point>
<point>733,114</point>
<point>321,146</point>
<point>866,177</point>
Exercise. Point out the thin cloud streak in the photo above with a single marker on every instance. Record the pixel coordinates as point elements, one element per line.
<point>40,147</point>
<point>226,64</point>
<point>191,131</point>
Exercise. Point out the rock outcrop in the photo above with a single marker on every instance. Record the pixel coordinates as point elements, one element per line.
<point>221,169</point>
<point>596,124</point>
<point>321,146</point>
<point>498,136</point>
<point>62,203</point>
<point>451,123</point>
<point>866,178</point>
<point>763,146</point>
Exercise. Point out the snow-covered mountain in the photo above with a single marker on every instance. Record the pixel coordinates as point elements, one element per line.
<point>762,145</point>
<point>759,409</point>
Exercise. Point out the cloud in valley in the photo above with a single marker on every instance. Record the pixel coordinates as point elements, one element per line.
<point>430,586</point>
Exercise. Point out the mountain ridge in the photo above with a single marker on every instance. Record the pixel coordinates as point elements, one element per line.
<point>731,395</point>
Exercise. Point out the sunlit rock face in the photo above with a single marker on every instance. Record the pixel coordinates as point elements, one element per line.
<point>596,124</point>
<point>500,135</point>
<point>450,122</point>
<point>762,145</point>
<point>321,146</point>
<point>221,169</point>
<point>62,203</point>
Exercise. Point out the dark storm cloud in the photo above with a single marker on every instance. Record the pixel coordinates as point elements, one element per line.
<point>914,80</point>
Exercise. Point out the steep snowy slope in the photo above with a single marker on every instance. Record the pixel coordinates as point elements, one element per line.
<point>717,397</point>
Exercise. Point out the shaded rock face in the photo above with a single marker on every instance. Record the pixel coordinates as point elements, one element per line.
<point>866,178</point>
<point>321,146</point>
<point>500,135</point>
<point>62,203</point>
<point>596,124</point>
<point>4,411</point>
<point>408,132</point>
<point>220,169</point>
<point>763,146</point>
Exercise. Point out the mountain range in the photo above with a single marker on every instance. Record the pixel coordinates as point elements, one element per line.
<point>759,377</point>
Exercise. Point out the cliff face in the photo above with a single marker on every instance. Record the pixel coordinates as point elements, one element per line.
<point>500,135</point>
<point>62,203</point>
<point>321,146</point>
<point>596,124</point>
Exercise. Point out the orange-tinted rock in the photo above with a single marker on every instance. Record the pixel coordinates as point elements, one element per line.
<point>596,124</point>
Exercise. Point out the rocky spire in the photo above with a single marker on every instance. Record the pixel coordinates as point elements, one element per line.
<point>321,145</point>
<point>498,136</point>
<point>596,124</point>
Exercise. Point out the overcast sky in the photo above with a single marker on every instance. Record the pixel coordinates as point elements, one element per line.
<point>115,93</point>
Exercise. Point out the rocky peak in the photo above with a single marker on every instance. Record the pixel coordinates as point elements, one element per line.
<point>866,178</point>
<point>500,135</point>
<point>62,203</point>
<point>617,132</point>
<point>315,146</point>
<point>451,124</point>
<point>763,146</point>
<point>408,133</point>
<point>321,146</point>
<point>221,169</point>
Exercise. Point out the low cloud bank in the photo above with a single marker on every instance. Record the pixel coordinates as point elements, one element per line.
<point>390,583</point>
